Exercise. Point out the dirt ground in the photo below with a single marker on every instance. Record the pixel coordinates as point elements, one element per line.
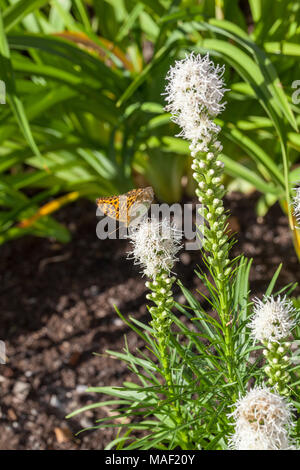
<point>57,309</point>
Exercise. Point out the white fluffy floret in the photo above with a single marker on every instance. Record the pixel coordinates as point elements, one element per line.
<point>272,320</point>
<point>262,422</point>
<point>296,204</point>
<point>155,245</point>
<point>194,93</point>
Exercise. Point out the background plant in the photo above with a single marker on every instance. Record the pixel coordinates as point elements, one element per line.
<point>85,117</point>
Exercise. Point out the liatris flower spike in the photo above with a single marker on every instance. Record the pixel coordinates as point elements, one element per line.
<point>272,320</point>
<point>194,94</point>
<point>155,245</point>
<point>271,324</point>
<point>262,422</point>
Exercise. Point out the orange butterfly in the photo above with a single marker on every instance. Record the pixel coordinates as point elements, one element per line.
<point>128,206</point>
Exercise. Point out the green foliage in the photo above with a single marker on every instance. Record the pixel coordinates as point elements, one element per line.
<point>199,373</point>
<point>84,112</point>
<point>198,364</point>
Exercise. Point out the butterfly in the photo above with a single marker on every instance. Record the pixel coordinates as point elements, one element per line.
<point>128,206</point>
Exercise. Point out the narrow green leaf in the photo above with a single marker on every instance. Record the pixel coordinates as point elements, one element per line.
<point>16,104</point>
<point>17,11</point>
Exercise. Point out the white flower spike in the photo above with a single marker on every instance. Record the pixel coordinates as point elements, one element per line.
<point>194,93</point>
<point>262,422</point>
<point>272,320</point>
<point>155,245</point>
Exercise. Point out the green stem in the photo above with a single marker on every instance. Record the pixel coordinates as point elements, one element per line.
<point>185,444</point>
<point>161,322</point>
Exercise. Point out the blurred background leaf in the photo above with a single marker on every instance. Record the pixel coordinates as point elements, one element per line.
<point>85,112</point>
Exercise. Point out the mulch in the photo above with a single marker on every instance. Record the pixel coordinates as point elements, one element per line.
<point>57,309</point>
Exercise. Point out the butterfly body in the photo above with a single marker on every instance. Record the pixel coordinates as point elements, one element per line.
<point>126,207</point>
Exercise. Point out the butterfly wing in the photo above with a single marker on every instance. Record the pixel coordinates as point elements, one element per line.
<point>109,206</point>
<point>128,206</point>
<point>141,203</point>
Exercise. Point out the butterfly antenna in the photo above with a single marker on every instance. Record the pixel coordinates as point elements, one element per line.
<point>110,233</point>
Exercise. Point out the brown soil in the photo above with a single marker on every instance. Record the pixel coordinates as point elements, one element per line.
<point>57,309</point>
